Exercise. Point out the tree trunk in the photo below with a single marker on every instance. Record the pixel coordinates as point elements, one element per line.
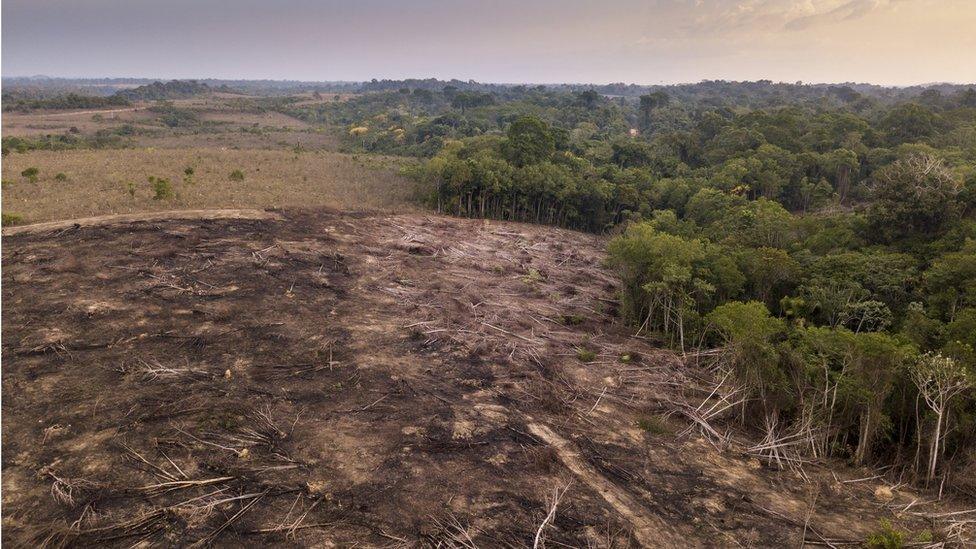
<point>864,438</point>
<point>843,183</point>
<point>934,451</point>
<point>681,331</point>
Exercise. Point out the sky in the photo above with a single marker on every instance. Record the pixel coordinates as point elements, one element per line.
<point>890,42</point>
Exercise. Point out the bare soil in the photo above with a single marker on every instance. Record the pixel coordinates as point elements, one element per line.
<point>323,379</point>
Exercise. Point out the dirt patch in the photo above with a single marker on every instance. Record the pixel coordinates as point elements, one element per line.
<point>319,379</point>
<point>648,529</point>
<point>130,218</point>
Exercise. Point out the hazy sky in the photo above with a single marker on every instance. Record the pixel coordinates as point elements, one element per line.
<point>543,41</point>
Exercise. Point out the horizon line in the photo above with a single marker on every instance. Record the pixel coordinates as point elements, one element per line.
<point>471,80</point>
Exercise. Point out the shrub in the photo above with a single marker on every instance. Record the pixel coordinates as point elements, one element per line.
<point>31,174</point>
<point>174,117</point>
<point>61,177</point>
<point>162,190</point>
<point>533,276</point>
<point>886,538</point>
<point>585,355</point>
<point>236,175</point>
<point>11,219</point>
<point>131,188</point>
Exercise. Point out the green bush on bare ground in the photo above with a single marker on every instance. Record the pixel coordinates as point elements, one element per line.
<point>585,355</point>
<point>236,175</point>
<point>162,189</point>
<point>30,174</point>
<point>61,177</point>
<point>11,219</point>
<point>889,537</point>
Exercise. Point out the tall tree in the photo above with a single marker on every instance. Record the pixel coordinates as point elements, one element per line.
<point>915,196</point>
<point>648,103</point>
<point>530,141</point>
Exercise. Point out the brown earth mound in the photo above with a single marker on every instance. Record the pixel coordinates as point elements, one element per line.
<point>319,379</point>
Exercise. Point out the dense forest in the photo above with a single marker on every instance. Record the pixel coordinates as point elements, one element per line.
<point>817,248</point>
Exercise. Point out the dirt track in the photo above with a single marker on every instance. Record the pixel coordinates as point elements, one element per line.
<point>323,379</point>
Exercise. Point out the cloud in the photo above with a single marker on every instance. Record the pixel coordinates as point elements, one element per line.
<point>773,16</point>
<point>848,11</point>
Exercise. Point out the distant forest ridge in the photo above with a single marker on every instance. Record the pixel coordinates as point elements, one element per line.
<point>37,87</point>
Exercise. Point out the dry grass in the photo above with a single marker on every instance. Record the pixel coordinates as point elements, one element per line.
<point>220,109</point>
<point>16,124</point>
<point>99,181</point>
<point>232,138</point>
<point>220,126</point>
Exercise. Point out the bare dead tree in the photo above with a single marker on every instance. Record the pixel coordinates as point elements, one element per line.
<point>939,379</point>
<point>553,502</point>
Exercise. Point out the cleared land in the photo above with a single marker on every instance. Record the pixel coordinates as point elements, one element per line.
<point>329,379</point>
<point>212,114</point>
<point>285,162</point>
<point>116,181</point>
<point>213,127</point>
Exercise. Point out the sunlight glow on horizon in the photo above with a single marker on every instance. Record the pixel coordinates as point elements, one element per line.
<point>892,42</point>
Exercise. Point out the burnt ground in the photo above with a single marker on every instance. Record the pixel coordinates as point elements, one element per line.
<point>322,379</point>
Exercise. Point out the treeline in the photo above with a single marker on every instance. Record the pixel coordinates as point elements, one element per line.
<point>585,178</point>
<point>715,92</point>
<point>26,99</point>
<point>418,122</point>
<point>11,102</point>
<point>527,175</point>
<point>862,352</point>
<point>47,87</point>
<point>174,89</point>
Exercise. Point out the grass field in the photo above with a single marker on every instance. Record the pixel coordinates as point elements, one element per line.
<point>285,162</point>
<point>117,181</point>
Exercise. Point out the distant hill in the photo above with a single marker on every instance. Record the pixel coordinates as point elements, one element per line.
<point>174,89</point>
